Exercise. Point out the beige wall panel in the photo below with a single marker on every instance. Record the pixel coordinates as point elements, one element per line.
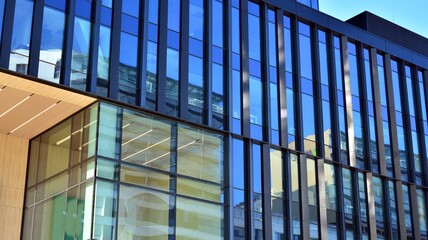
<point>2,153</point>
<point>15,164</point>
<point>10,223</point>
<point>11,197</point>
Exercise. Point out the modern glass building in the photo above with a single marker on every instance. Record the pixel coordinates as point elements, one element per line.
<point>209,119</point>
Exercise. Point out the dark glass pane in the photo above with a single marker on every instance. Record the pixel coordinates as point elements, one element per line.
<point>83,8</point>
<point>217,26</point>
<point>257,168</point>
<point>174,15</point>
<point>80,54</point>
<point>129,24</point>
<point>238,163</point>
<point>196,19</point>
<point>60,4</point>
<point>153,11</point>
<point>131,7</point>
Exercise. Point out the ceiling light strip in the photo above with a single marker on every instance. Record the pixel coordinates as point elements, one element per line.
<point>31,119</point>
<point>16,105</point>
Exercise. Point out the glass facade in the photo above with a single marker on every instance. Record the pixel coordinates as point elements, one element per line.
<point>237,119</point>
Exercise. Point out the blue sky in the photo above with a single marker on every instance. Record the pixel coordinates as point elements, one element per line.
<point>411,14</point>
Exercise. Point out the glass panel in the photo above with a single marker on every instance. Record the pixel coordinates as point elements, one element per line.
<point>217,23</point>
<point>49,220</point>
<point>143,214</point>
<point>80,54</point>
<point>256,93</point>
<point>257,168</point>
<point>201,190</point>
<point>103,66</point>
<point>276,173</point>
<point>21,36</point>
<point>348,199</point>
<point>144,177</point>
<point>422,210</point>
<point>174,15</point>
<point>196,219</point>
<point>1,16</point>
<point>200,154</point>
<point>172,70</point>
<point>407,212</point>
<point>51,44</point>
<point>196,82</point>
<point>379,206</point>
<point>108,131</point>
<point>128,68</point>
<point>146,140</point>
<point>196,19</point>
<point>331,200</point>
<point>238,163</point>
<point>105,210</point>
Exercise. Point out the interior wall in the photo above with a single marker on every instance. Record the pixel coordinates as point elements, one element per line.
<point>13,165</point>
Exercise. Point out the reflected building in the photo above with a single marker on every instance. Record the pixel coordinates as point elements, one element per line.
<point>219,119</point>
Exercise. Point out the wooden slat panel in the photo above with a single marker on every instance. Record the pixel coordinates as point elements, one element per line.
<point>2,155</point>
<point>9,97</point>
<point>45,90</point>
<point>10,222</point>
<point>47,120</point>
<point>28,109</point>
<point>11,197</point>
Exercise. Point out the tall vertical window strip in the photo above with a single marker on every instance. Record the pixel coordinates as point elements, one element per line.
<point>393,209</point>
<point>103,64</point>
<point>238,182</point>
<point>325,94</point>
<point>407,212</point>
<point>398,112</point>
<point>277,194</point>
<point>289,82</point>
<point>273,80</point>
<point>348,202</point>
<point>341,113</point>
<point>1,16</point>
<point>362,194</point>
<point>257,191</point>
<point>385,117</point>
<point>424,131</point>
<point>331,200</point>
<point>172,57</point>
<point>217,64</point>
<point>295,196</point>
<point>422,210</point>
<point>412,124</point>
<point>21,36</point>
<point>313,198</point>
<point>196,67</point>
<point>379,207</point>
<point>356,106</point>
<point>152,56</point>
<point>51,44</point>
<point>80,54</point>
<point>256,85</point>
<point>236,68</point>
<point>306,83</point>
<point>371,131</point>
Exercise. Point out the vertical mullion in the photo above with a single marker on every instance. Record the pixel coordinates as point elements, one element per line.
<point>36,38</point>
<point>114,51</point>
<point>424,161</point>
<point>364,106</point>
<point>297,84</point>
<point>356,195</point>
<point>93,54</point>
<point>282,90</point>
<point>183,100</point>
<point>68,43</point>
<point>208,21</point>
<point>264,40</point>
<point>266,193</point>
<point>161,57</point>
<point>227,52</point>
<point>173,179</point>
<point>142,56</point>
<point>228,173</point>
<point>249,198</point>
<point>245,78</point>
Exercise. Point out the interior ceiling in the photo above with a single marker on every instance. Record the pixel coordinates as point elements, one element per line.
<point>28,108</point>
